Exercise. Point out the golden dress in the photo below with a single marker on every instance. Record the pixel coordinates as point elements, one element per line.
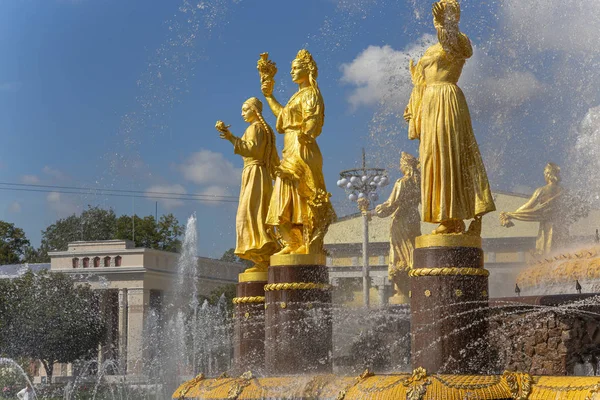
<point>403,206</point>
<point>301,159</point>
<point>253,240</point>
<point>454,182</point>
<point>547,207</point>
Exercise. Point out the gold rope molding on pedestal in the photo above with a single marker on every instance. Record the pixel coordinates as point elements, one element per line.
<point>250,299</point>
<point>448,271</point>
<point>297,286</point>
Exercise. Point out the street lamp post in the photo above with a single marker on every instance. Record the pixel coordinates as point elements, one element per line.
<point>361,185</point>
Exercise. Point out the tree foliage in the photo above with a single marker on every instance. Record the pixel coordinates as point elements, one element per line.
<point>13,243</point>
<point>229,256</point>
<point>48,317</point>
<point>228,291</point>
<point>163,235</point>
<point>96,223</point>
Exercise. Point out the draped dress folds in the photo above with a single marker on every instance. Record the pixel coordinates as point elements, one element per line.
<point>253,241</point>
<point>301,160</point>
<point>454,183</point>
<point>403,206</point>
<point>549,206</point>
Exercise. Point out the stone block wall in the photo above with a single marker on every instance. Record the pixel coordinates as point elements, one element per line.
<point>546,340</point>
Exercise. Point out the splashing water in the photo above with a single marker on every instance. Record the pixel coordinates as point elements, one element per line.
<point>10,364</point>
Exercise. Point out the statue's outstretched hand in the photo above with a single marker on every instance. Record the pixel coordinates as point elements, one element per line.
<point>438,11</point>
<point>267,87</point>
<point>505,220</point>
<point>224,129</point>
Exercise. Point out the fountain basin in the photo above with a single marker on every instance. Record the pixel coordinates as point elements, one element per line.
<point>417,386</point>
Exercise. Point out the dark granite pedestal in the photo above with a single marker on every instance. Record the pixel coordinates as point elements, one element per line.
<point>449,305</point>
<point>249,326</point>
<point>298,325</point>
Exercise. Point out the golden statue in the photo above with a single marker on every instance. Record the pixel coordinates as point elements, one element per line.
<point>546,206</point>
<point>454,184</point>
<point>403,206</point>
<point>254,241</point>
<point>300,206</point>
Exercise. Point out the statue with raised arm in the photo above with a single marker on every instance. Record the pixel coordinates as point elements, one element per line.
<point>454,183</point>
<point>547,206</point>
<point>254,239</point>
<point>300,206</point>
<point>403,206</point>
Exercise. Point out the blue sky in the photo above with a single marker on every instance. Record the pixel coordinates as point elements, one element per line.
<point>125,94</point>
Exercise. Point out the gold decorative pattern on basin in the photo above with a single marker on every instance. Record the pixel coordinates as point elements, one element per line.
<point>510,385</point>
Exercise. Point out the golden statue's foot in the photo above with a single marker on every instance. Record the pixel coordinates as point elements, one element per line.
<point>300,250</point>
<point>286,250</point>
<point>450,226</point>
<point>258,267</point>
<point>475,227</point>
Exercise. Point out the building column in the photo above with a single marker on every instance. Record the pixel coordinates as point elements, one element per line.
<point>122,353</point>
<point>137,301</point>
<point>102,307</point>
<point>381,290</point>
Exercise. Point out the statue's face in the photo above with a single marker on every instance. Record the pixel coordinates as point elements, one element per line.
<point>298,72</point>
<point>248,113</point>
<point>548,175</point>
<point>404,168</point>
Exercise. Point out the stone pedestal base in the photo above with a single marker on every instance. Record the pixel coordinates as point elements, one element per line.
<point>249,326</point>
<point>449,305</point>
<point>298,326</point>
<point>401,287</point>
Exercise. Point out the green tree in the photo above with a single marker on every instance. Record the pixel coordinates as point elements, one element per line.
<point>94,223</point>
<point>162,236</point>
<point>33,255</point>
<point>229,256</point>
<point>51,318</point>
<point>13,243</point>
<point>229,291</point>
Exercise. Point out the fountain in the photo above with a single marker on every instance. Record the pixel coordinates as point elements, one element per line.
<point>462,345</point>
<point>452,342</point>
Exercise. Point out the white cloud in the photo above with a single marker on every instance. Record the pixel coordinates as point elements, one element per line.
<point>30,179</point>
<point>169,204</point>
<point>382,77</point>
<point>54,173</point>
<point>567,25</point>
<point>216,191</point>
<point>14,207</point>
<point>61,205</point>
<point>381,74</point>
<point>584,157</point>
<point>207,167</point>
<point>493,89</point>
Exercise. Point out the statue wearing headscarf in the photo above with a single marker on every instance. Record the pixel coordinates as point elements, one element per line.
<point>254,240</point>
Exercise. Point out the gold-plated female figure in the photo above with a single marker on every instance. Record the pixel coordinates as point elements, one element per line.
<point>547,206</point>
<point>300,207</point>
<point>254,241</point>
<point>454,183</point>
<point>403,206</point>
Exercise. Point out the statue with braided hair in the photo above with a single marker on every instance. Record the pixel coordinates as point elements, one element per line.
<point>254,239</point>
<point>454,183</point>
<point>300,206</point>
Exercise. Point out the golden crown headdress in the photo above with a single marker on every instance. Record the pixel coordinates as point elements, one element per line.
<point>306,58</point>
